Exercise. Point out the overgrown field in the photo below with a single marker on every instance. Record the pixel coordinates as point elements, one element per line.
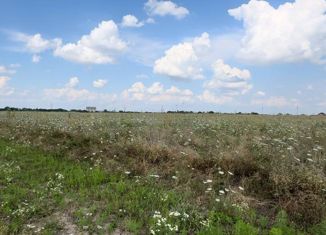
<point>119,173</point>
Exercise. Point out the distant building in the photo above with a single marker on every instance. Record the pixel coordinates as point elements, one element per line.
<point>91,109</point>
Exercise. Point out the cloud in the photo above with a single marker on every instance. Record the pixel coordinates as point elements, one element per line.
<point>73,82</point>
<point>209,97</point>
<point>70,92</point>
<point>35,43</point>
<point>3,81</point>
<point>275,101</point>
<point>4,89</point>
<point>163,8</point>
<point>150,21</point>
<point>6,70</point>
<point>99,47</point>
<point>260,93</point>
<point>156,93</point>
<point>36,58</point>
<point>99,83</point>
<point>182,61</point>
<point>230,80</point>
<point>131,21</point>
<point>292,32</point>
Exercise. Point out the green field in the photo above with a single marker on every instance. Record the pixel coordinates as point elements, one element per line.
<point>136,173</point>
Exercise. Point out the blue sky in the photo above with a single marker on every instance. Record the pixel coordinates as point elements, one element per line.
<point>147,55</point>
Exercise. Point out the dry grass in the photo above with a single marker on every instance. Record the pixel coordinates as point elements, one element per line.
<point>280,162</point>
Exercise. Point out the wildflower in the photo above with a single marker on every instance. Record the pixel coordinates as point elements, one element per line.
<point>174,177</point>
<point>164,198</point>
<point>154,176</point>
<point>205,223</point>
<point>39,229</point>
<point>221,192</point>
<point>185,215</point>
<point>59,176</point>
<point>127,172</point>
<point>221,172</point>
<point>217,200</point>
<point>174,213</point>
<point>157,214</point>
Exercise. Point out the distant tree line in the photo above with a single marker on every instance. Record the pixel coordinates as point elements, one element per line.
<point>32,110</point>
<point>124,111</point>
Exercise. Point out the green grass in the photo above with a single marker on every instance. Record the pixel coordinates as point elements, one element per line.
<point>162,173</point>
<point>36,187</point>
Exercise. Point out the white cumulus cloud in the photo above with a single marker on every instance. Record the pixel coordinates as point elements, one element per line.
<point>230,80</point>
<point>36,43</point>
<point>71,92</point>
<point>99,47</point>
<point>99,83</point>
<point>182,61</point>
<point>163,8</point>
<point>131,21</point>
<point>291,32</point>
<point>36,58</point>
<point>210,97</point>
<point>157,93</point>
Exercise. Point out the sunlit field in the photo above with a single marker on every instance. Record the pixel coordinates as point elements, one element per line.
<point>136,173</point>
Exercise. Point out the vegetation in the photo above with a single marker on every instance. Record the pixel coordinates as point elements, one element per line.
<point>136,173</point>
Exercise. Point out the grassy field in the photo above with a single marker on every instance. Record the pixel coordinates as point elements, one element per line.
<point>123,173</point>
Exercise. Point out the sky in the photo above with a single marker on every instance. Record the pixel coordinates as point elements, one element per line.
<point>153,55</point>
